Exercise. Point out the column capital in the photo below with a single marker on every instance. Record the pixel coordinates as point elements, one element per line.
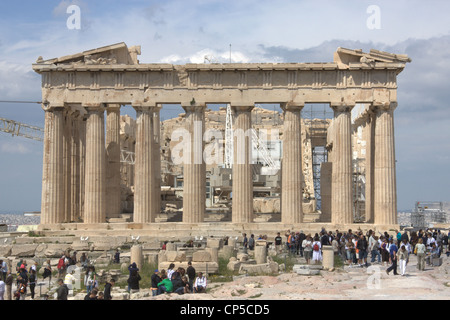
<point>242,108</point>
<point>292,106</point>
<point>94,107</point>
<point>193,107</point>
<point>53,106</point>
<point>384,106</point>
<point>342,106</point>
<point>113,107</point>
<point>142,107</point>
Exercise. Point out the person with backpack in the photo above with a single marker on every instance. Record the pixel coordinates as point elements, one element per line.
<point>21,288</point>
<point>317,253</point>
<point>61,267</point>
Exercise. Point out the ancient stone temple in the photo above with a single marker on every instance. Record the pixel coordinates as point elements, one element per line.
<point>83,93</point>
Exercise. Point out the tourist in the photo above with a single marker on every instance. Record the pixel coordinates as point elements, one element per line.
<point>335,245</point>
<point>445,243</point>
<point>170,271</point>
<point>108,288</point>
<point>393,257</point>
<point>301,238</point>
<point>278,243</point>
<point>47,271</point>
<point>245,242</point>
<point>9,282</point>
<point>21,288</point>
<point>420,250</point>
<point>403,259</point>
<point>92,295</point>
<point>155,279</point>
<point>190,271</point>
<point>434,253</point>
<point>200,283</point>
<point>133,281</point>
<point>398,236</point>
<point>117,257</point>
<point>317,254</point>
<point>165,286</point>
<point>61,267</point>
<point>350,251</point>
<point>385,251</point>
<point>90,279</point>
<point>3,269</point>
<point>63,291</point>
<point>362,248</point>
<point>73,259</point>
<point>251,242</point>
<point>100,296</point>
<point>307,248</point>
<point>84,261</point>
<point>32,282</point>
<point>177,283</point>
<point>186,286</point>
<point>69,279</point>
<point>131,268</point>
<point>375,250</point>
<point>430,241</point>
<point>2,289</point>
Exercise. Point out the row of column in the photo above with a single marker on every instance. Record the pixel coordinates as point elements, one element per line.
<point>81,173</point>
<point>380,190</point>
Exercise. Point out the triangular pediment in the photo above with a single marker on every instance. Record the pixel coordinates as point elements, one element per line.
<point>113,54</point>
<point>348,56</point>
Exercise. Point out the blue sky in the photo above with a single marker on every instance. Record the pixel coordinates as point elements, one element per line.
<point>179,31</point>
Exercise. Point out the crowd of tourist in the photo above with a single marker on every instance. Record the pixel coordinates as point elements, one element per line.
<point>356,247</point>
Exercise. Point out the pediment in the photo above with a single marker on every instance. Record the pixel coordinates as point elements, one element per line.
<point>350,56</point>
<point>108,55</point>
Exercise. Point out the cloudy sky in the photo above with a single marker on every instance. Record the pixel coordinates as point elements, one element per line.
<point>180,31</point>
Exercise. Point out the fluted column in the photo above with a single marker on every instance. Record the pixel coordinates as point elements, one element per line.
<point>157,160</point>
<point>95,180</point>
<point>342,194</point>
<point>67,163</point>
<point>52,202</point>
<point>194,168</point>
<point>82,159</point>
<point>75,168</point>
<point>144,195</point>
<point>113,203</point>
<point>369,133</point>
<point>242,201</point>
<point>291,169</point>
<point>385,195</point>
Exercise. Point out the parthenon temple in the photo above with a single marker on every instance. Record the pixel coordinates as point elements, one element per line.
<point>88,187</point>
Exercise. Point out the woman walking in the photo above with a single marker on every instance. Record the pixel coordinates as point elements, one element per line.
<point>317,254</point>
<point>420,250</point>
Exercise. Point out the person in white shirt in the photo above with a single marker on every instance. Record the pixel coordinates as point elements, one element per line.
<point>2,289</point>
<point>200,284</point>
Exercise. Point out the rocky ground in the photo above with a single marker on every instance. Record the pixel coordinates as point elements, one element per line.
<point>342,284</point>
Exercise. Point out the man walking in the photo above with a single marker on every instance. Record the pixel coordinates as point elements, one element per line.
<point>393,256</point>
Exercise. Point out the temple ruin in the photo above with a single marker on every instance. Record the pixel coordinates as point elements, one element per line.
<point>87,185</point>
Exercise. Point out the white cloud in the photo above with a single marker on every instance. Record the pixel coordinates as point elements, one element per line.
<point>14,148</point>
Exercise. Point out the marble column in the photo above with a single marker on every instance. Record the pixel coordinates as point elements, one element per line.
<point>194,168</point>
<point>157,159</point>
<point>82,159</point>
<point>52,203</point>
<point>95,171</point>
<point>75,168</point>
<point>342,172</point>
<point>385,195</point>
<point>242,189</point>
<point>291,169</point>
<point>369,137</point>
<point>113,203</point>
<point>67,162</point>
<point>144,194</point>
